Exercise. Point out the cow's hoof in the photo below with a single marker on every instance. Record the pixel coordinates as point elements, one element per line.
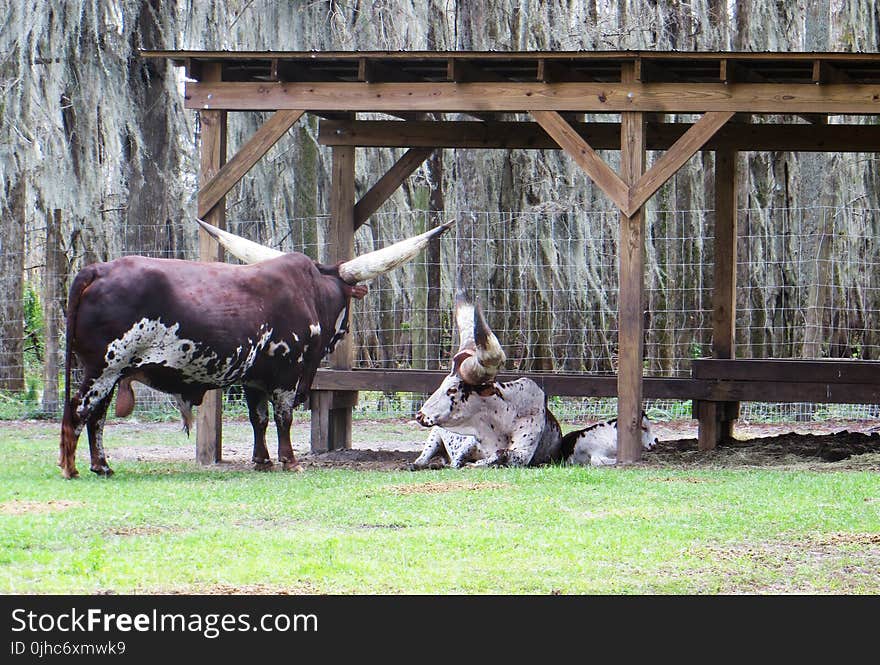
<point>296,467</point>
<point>69,474</point>
<point>104,471</point>
<point>263,465</point>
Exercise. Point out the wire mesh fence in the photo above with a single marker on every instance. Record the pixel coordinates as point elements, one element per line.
<point>808,287</point>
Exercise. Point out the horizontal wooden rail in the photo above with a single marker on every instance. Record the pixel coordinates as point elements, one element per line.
<point>427,381</point>
<point>790,380</point>
<point>795,371</point>
<point>741,389</point>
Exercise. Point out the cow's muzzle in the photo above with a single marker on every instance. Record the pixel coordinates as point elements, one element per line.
<point>423,420</point>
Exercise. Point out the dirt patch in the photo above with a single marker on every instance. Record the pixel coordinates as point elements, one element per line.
<point>836,451</point>
<point>360,459</point>
<point>140,531</point>
<point>849,539</point>
<point>851,559</point>
<point>22,507</point>
<point>222,589</point>
<point>440,488</point>
<point>392,446</point>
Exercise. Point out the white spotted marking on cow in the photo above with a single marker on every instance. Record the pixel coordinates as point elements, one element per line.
<point>339,322</point>
<point>151,342</point>
<point>315,329</point>
<point>274,346</point>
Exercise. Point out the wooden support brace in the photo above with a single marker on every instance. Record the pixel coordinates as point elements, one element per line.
<point>587,158</point>
<point>674,158</point>
<point>217,186</point>
<point>388,184</point>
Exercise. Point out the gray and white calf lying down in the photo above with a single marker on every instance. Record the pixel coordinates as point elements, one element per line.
<point>595,445</point>
<point>477,420</point>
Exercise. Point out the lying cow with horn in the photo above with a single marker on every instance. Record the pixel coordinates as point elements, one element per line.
<point>479,420</point>
<point>186,327</point>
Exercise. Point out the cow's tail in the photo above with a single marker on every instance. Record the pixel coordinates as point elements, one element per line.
<point>68,427</point>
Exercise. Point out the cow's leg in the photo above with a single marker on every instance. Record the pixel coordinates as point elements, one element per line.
<point>95,428</point>
<point>93,392</point>
<point>282,406</point>
<point>462,449</point>
<point>258,411</point>
<point>71,426</point>
<point>433,446</point>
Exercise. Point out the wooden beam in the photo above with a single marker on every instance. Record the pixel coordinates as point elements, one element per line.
<point>725,255</point>
<point>585,157</point>
<point>788,370</point>
<point>513,96</point>
<point>388,184</point>
<point>242,162</point>
<point>680,152</point>
<point>630,306</point>
<point>585,385</point>
<point>600,135</point>
<point>714,423</point>
<point>209,416</point>
<point>335,424</point>
<point>574,385</point>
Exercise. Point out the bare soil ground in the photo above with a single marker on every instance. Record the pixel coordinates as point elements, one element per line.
<point>391,446</point>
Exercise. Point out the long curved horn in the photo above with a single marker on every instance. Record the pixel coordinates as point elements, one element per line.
<point>241,248</point>
<point>465,321</point>
<point>482,367</point>
<point>369,266</point>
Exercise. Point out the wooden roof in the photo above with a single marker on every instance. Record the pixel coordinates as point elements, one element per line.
<point>493,66</point>
<point>416,86</point>
<point>524,82</point>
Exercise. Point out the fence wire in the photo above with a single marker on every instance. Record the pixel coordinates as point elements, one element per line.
<point>808,286</point>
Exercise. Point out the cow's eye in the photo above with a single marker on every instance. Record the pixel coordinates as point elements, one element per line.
<point>451,391</point>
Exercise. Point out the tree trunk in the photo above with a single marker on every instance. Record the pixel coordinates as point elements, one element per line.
<point>12,236</point>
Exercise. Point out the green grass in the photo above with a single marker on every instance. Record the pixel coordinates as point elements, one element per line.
<point>175,526</point>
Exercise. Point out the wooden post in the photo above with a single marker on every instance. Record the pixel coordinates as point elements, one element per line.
<point>631,321</point>
<point>51,297</point>
<point>332,416</point>
<point>209,420</point>
<point>437,205</point>
<point>716,418</point>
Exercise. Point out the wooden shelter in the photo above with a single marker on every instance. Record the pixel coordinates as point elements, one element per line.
<point>551,91</point>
